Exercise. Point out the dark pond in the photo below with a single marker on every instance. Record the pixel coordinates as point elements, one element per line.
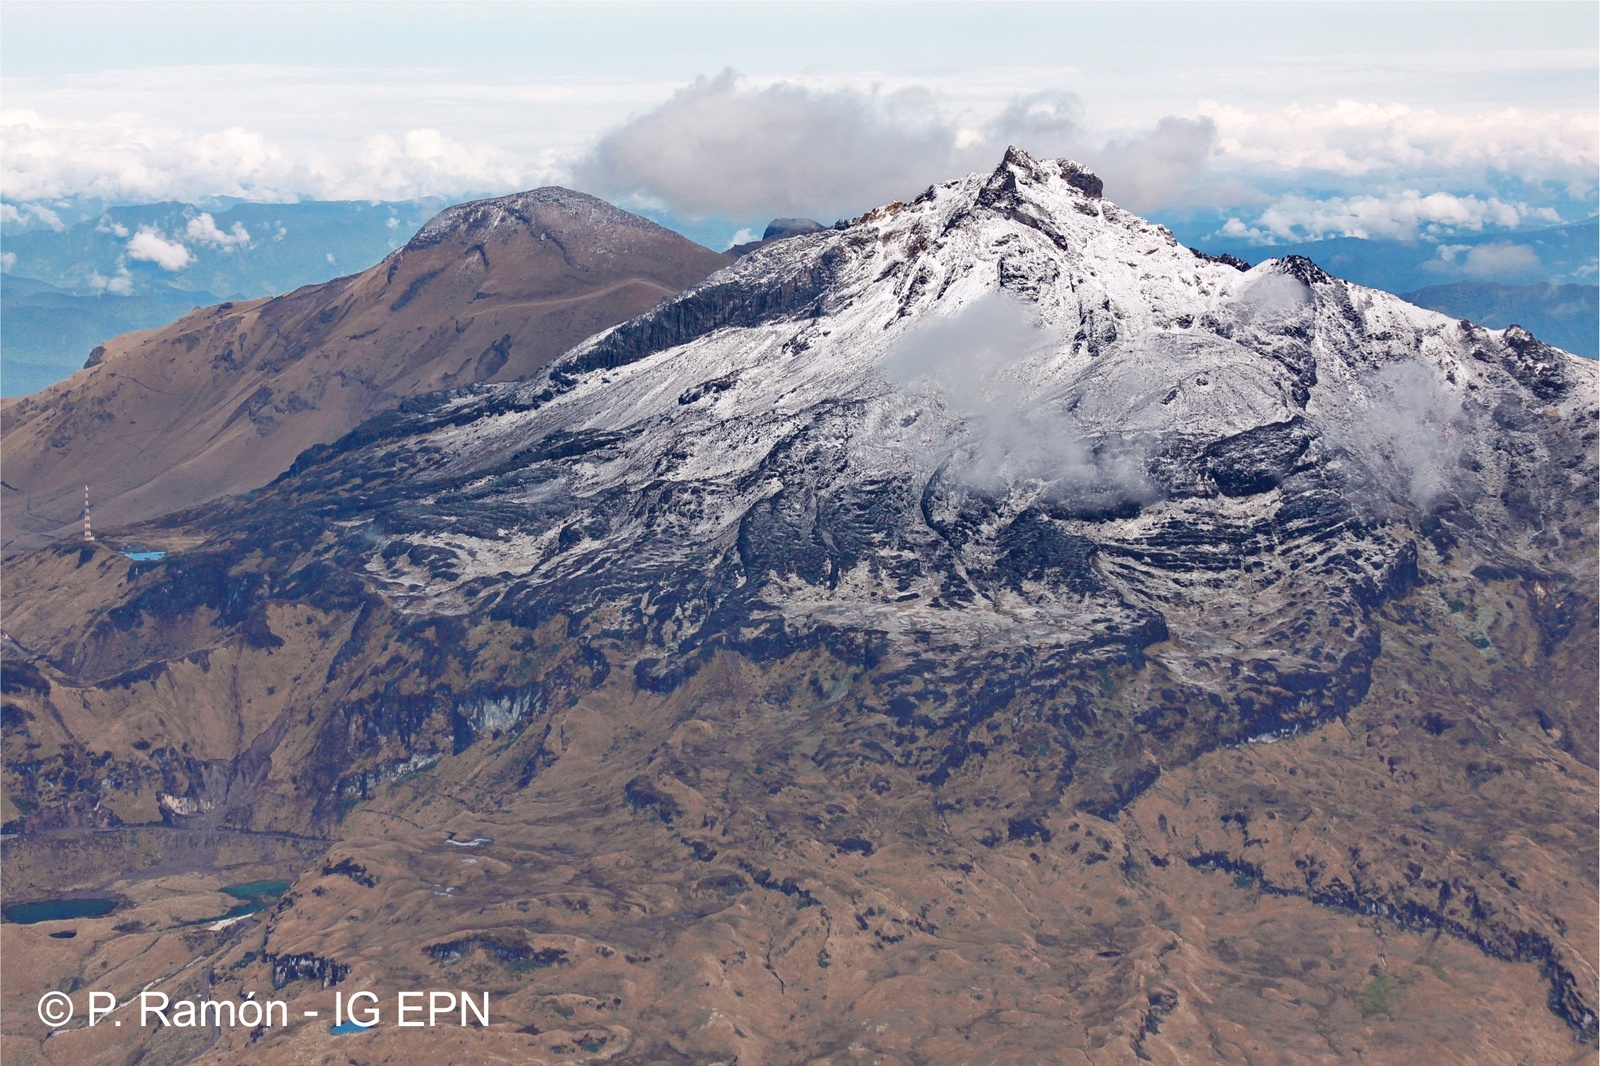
<point>56,910</point>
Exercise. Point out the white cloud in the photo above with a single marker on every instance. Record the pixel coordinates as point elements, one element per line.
<point>423,161</point>
<point>1414,425</point>
<point>203,230</point>
<point>1352,138</point>
<point>328,256</point>
<point>1143,171</point>
<point>150,245</point>
<point>107,224</point>
<point>1148,172</point>
<point>393,223</point>
<point>24,214</point>
<point>123,157</point>
<point>119,284</point>
<point>1046,123</point>
<point>743,236</point>
<point>721,148</point>
<point>1502,259</point>
<point>1405,215</point>
<point>1364,124</point>
<point>977,364</point>
<point>7,261</point>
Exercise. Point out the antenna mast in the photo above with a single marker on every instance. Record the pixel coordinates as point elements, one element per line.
<point>88,533</point>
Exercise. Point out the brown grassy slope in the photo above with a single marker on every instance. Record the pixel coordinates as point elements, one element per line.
<point>222,400</point>
<point>751,866</point>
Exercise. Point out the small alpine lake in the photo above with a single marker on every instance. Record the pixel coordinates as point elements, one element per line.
<point>57,910</point>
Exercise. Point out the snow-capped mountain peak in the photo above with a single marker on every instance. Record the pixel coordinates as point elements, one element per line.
<point>1006,414</point>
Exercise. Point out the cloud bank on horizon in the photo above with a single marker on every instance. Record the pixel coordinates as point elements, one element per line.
<point>1419,145</point>
<point>723,146</point>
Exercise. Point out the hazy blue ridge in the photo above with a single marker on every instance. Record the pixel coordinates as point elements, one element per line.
<point>66,291</point>
<point>285,246</point>
<point>46,333</point>
<point>1567,316</point>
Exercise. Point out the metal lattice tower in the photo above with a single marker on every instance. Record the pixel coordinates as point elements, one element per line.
<point>88,533</point>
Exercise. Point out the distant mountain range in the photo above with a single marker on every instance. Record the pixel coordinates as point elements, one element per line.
<point>46,331</point>
<point>245,251</point>
<point>1565,254</point>
<point>1563,315</point>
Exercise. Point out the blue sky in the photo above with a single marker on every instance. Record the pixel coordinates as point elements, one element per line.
<point>1275,121</point>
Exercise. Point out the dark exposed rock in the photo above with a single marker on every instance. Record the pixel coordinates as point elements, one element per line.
<point>305,967</point>
<point>1225,259</point>
<point>713,306</point>
<point>353,870</point>
<point>1259,459</point>
<point>518,955</point>
<point>790,227</point>
<point>1534,363</point>
<point>1083,180</point>
<point>1298,266</point>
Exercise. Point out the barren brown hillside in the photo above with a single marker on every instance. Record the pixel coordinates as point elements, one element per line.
<point>222,400</point>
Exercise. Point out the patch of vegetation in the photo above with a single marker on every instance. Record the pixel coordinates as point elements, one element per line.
<point>1382,995</point>
<point>727,884</point>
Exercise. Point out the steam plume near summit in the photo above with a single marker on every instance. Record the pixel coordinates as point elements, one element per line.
<point>982,366</point>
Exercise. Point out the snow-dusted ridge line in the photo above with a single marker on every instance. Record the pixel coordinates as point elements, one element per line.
<point>523,209</point>
<point>1118,282</point>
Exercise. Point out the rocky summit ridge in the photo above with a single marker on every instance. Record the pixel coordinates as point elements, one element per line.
<point>982,630</point>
